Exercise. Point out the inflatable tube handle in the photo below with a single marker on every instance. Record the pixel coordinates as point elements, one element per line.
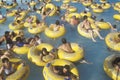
<point>48,64</point>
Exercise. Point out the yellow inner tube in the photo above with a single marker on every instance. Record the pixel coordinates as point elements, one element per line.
<point>27,24</point>
<point>116,16</point>
<point>110,42</point>
<point>64,6</point>
<point>77,15</point>
<point>83,32</point>
<point>87,3</point>
<point>16,26</point>
<point>12,13</point>
<point>34,57</point>
<point>21,73</point>
<point>47,1</point>
<point>103,1</point>
<point>32,3</point>
<point>22,15</point>
<point>19,33</point>
<point>103,25</point>
<point>95,5</point>
<point>2,20</point>
<point>37,29</point>
<point>49,32</point>
<point>51,7</point>
<point>106,6</point>
<point>116,8</point>
<point>108,67</point>
<point>76,56</point>
<point>97,10</point>
<point>57,0</point>
<point>66,1</point>
<point>10,6</point>
<point>49,74</point>
<point>72,9</point>
<point>21,50</point>
<point>74,1</point>
<point>85,14</point>
<point>117,3</point>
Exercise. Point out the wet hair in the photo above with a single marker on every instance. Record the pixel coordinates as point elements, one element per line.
<point>13,34</point>
<point>44,50</point>
<point>18,21</point>
<point>44,13</point>
<point>116,61</point>
<point>119,35</point>
<point>99,7</point>
<point>5,60</point>
<point>7,33</point>
<point>102,20</point>
<point>85,11</point>
<point>85,17</point>
<point>29,40</point>
<point>104,4</point>
<point>18,39</point>
<point>66,67</point>
<point>37,21</point>
<point>64,40</point>
<point>57,22</point>
<point>114,26</point>
<point>7,9</point>
<point>36,36</point>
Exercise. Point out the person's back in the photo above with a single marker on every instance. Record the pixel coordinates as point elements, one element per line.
<point>66,46</point>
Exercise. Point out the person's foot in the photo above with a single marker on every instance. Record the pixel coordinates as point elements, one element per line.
<point>102,38</point>
<point>94,40</point>
<point>84,61</point>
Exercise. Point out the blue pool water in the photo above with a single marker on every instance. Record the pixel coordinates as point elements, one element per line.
<point>94,52</point>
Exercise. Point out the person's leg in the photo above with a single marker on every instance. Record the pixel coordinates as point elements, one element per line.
<point>97,32</point>
<point>91,34</point>
<point>84,61</point>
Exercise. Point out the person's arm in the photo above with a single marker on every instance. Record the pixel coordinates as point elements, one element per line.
<point>54,70</point>
<point>41,56</point>
<point>110,25</point>
<point>83,23</point>
<point>1,70</point>
<point>2,39</point>
<point>70,48</point>
<point>52,55</point>
<point>50,12</point>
